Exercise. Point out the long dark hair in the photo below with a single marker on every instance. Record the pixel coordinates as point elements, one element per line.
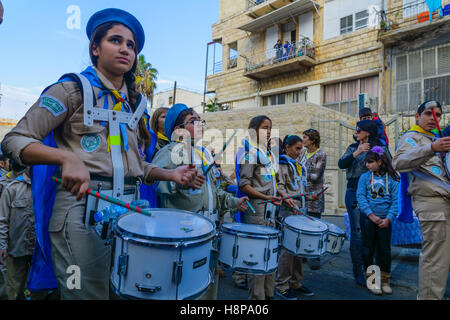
<point>128,77</point>
<point>289,140</point>
<point>255,123</point>
<point>378,153</point>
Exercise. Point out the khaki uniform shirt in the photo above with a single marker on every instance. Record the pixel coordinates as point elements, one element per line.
<point>17,219</point>
<point>173,195</point>
<point>60,109</point>
<point>414,153</point>
<point>286,182</point>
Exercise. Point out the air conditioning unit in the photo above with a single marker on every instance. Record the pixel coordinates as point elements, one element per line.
<point>367,101</point>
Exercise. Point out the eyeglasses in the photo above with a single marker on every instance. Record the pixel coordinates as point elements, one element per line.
<point>195,122</point>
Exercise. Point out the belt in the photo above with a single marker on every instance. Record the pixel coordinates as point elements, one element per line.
<point>127,180</point>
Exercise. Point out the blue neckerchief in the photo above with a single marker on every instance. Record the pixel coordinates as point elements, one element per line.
<point>20,178</point>
<point>148,192</point>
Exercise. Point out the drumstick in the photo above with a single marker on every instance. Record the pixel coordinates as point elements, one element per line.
<point>250,206</point>
<point>437,123</point>
<point>323,190</point>
<point>297,210</point>
<point>284,198</point>
<point>111,200</point>
<point>222,151</point>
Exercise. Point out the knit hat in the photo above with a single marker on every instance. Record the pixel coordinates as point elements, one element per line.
<point>368,126</point>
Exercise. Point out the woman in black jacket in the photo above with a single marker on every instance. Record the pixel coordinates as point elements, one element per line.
<point>353,161</point>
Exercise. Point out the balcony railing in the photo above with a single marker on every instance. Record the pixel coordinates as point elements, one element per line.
<point>403,16</point>
<point>253,3</point>
<point>274,56</point>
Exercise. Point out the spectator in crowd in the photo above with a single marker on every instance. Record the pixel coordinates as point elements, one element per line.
<point>287,49</point>
<point>279,50</point>
<point>366,114</point>
<point>353,161</point>
<point>377,197</point>
<point>157,124</point>
<point>315,162</point>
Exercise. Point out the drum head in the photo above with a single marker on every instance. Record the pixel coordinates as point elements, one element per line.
<point>166,225</point>
<point>305,224</point>
<point>332,228</point>
<point>253,229</point>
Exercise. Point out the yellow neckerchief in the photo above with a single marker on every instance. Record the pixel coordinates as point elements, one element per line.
<point>202,155</point>
<point>8,175</point>
<point>161,136</point>
<point>309,155</point>
<point>269,155</point>
<point>421,130</point>
<point>117,107</point>
<point>298,166</point>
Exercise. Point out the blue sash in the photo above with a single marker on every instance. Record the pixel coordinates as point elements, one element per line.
<point>148,192</point>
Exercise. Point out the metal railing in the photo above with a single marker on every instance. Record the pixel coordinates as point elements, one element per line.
<point>254,3</point>
<point>402,16</point>
<point>276,55</point>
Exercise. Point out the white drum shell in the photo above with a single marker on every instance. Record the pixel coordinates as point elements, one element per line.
<point>151,264</point>
<point>304,243</point>
<point>335,239</point>
<point>249,253</point>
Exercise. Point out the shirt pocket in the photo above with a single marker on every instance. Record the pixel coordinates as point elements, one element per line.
<point>21,213</point>
<point>91,139</point>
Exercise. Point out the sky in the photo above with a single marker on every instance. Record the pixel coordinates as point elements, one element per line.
<point>41,40</point>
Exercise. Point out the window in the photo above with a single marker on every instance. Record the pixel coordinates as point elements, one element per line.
<point>422,75</point>
<point>170,101</point>
<point>298,96</point>
<point>361,19</point>
<point>232,63</point>
<point>347,24</point>
<point>343,96</point>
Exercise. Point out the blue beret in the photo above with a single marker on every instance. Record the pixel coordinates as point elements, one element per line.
<point>171,118</point>
<point>121,16</point>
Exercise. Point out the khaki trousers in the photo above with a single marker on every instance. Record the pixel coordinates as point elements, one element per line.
<point>74,245</point>
<point>3,287</point>
<point>17,276</point>
<point>290,271</point>
<point>434,262</point>
<point>211,293</point>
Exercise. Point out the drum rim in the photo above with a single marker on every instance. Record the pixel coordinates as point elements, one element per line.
<point>126,296</point>
<point>307,232</point>
<point>247,270</point>
<point>153,243</point>
<point>276,232</point>
<point>127,233</point>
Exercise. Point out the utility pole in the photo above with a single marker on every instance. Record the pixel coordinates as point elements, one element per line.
<point>174,92</point>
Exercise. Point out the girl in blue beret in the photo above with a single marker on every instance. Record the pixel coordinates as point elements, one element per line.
<point>55,136</point>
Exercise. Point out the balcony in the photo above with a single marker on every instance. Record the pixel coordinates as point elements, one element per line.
<point>409,22</point>
<point>258,8</point>
<point>274,62</point>
<point>276,14</point>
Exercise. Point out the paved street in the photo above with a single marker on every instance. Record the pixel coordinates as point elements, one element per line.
<point>334,280</point>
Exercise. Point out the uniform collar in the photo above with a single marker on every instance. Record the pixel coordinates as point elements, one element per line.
<point>108,85</point>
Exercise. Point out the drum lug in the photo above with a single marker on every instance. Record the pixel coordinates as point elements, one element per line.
<point>123,264</point>
<point>147,289</point>
<point>297,243</point>
<point>177,272</point>
<point>250,263</point>
<point>235,251</point>
<point>320,244</point>
<point>266,254</point>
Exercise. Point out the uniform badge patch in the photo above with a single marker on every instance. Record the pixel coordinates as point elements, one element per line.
<point>436,170</point>
<point>90,142</point>
<point>53,105</point>
<point>411,142</point>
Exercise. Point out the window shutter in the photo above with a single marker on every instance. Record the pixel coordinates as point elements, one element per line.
<point>415,65</point>
<point>444,60</point>
<point>429,62</point>
<point>401,68</point>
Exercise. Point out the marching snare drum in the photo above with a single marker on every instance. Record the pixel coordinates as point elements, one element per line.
<point>162,257</point>
<point>249,248</point>
<point>304,237</point>
<point>335,238</point>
